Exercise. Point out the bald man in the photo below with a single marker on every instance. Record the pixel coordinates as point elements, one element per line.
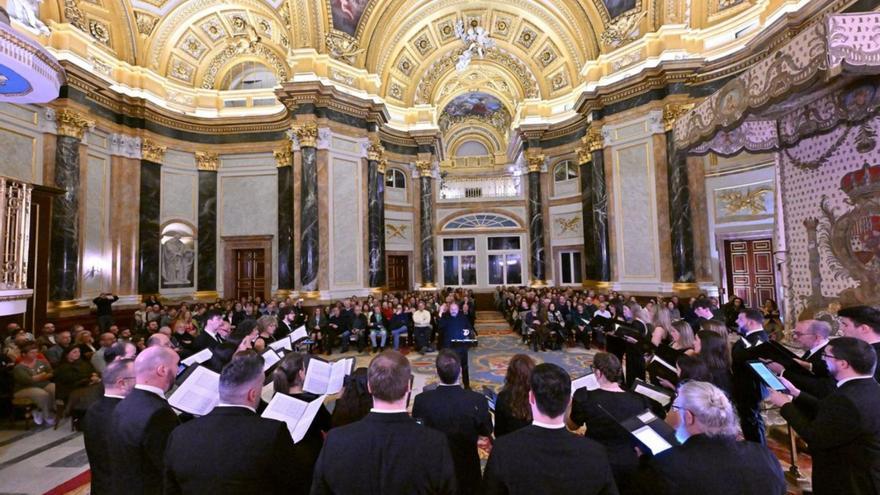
<point>142,423</point>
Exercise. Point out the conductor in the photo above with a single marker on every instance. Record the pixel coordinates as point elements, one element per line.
<point>458,335</point>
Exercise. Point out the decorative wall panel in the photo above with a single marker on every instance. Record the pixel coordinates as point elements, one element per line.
<point>347,213</point>
<point>635,213</point>
<point>95,225</point>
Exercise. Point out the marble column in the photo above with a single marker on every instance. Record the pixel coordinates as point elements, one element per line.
<point>148,231</point>
<point>125,180</point>
<point>536,219</point>
<point>679,201</point>
<point>307,135</point>
<point>208,163</point>
<point>598,266</point>
<point>586,181</point>
<point>376,214</point>
<point>64,263</point>
<point>284,163</point>
<point>426,222</point>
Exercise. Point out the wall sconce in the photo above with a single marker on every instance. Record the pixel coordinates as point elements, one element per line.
<point>92,272</point>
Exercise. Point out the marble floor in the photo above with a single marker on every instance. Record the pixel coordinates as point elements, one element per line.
<point>37,460</point>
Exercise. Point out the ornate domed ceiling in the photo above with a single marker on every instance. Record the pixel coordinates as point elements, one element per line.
<point>181,54</point>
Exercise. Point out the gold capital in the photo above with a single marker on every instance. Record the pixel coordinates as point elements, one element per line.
<point>283,157</point>
<point>205,160</point>
<point>584,155</point>
<point>535,161</point>
<point>383,165</point>
<point>424,167</point>
<point>594,140</point>
<point>375,151</point>
<point>152,151</point>
<point>672,112</point>
<point>72,124</point>
<point>307,134</point>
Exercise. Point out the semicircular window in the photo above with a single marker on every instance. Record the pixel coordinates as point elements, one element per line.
<point>249,75</point>
<point>481,221</point>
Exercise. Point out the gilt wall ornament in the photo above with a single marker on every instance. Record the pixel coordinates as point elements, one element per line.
<point>306,134</point>
<point>622,30</point>
<point>72,123</point>
<point>749,200</point>
<point>571,224</point>
<point>342,47</point>
<point>393,231</point>
<point>206,160</point>
<point>152,151</point>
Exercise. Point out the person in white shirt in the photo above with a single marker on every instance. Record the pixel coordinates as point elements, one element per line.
<point>422,323</point>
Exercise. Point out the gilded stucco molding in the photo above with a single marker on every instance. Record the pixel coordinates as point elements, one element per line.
<point>152,151</point>
<point>206,160</point>
<point>72,124</point>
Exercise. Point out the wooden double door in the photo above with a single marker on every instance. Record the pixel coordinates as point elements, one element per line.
<point>250,273</point>
<point>751,275</point>
<point>247,266</point>
<point>397,272</point>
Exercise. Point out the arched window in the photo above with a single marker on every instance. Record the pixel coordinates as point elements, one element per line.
<point>395,178</point>
<point>249,75</point>
<point>565,171</point>
<point>481,221</point>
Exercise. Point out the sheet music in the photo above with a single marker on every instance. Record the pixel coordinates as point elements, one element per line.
<point>651,439</point>
<point>270,357</point>
<point>340,370</point>
<point>299,334</point>
<point>198,394</point>
<point>660,361</point>
<point>268,392</point>
<point>646,417</point>
<point>199,357</point>
<point>297,414</point>
<point>318,376</point>
<point>660,397</point>
<point>589,381</point>
<point>284,343</point>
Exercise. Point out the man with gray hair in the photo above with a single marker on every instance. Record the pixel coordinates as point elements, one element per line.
<point>142,423</point>
<point>810,373</point>
<point>707,427</point>
<point>232,449</point>
<point>118,378</point>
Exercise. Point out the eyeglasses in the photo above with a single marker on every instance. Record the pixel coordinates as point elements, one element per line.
<point>825,355</point>
<point>801,334</point>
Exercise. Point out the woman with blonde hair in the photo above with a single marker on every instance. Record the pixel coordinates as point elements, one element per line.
<point>662,324</point>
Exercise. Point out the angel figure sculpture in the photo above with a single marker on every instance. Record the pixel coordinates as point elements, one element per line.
<point>25,12</point>
<point>476,40</point>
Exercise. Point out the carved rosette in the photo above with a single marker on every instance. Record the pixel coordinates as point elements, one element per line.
<point>72,124</point>
<point>424,167</point>
<point>672,112</point>
<point>152,151</point>
<point>307,134</point>
<point>283,157</point>
<point>205,160</point>
<point>535,162</point>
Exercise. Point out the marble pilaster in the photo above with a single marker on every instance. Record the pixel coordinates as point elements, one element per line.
<point>376,215</point>
<point>64,261</point>
<point>602,263</point>
<point>124,205</point>
<point>206,279</point>
<point>536,220</point>
<point>679,214</point>
<point>153,155</point>
<point>284,163</point>
<point>426,223</point>
<point>309,243</point>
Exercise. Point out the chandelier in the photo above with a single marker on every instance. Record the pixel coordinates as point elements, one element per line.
<point>476,40</point>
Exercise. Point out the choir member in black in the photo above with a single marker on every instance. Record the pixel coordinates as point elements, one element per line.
<point>266,327</point>
<point>702,311</point>
<point>317,328</point>
<point>387,452</point>
<point>544,457</point>
<point>118,379</point>
<point>637,347</point>
<point>209,337</point>
<point>620,314</point>
<point>714,350</point>
<point>710,460</point>
<point>843,429</point>
<point>355,401</point>
<point>232,450</point>
<point>141,425</point>
<point>288,378</point>
<point>602,410</point>
<point>580,324</point>
<point>555,327</point>
<point>863,323</point>
<point>461,414</point>
<point>534,329</point>
<point>512,410</point>
<point>285,323</point>
<point>455,326</point>
<point>748,392</point>
<point>810,373</point>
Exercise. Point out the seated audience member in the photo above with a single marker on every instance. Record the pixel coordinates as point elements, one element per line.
<point>288,378</point>
<point>512,410</point>
<point>46,338</point>
<point>714,350</point>
<point>355,401</point>
<point>422,328</point>
<point>86,344</point>
<point>398,325</point>
<point>387,452</point>
<point>76,383</point>
<point>378,332</point>
<point>160,340</point>
<point>32,376</point>
<point>118,379</point>
<point>63,340</point>
<point>106,341</point>
<point>120,350</point>
<point>182,337</point>
<point>231,449</point>
<point>863,323</point>
<point>603,409</point>
<point>843,429</point>
<point>356,331</point>
<point>545,458</point>
<point>461,414</point>
<point>141,425</point>
<point>710,459</point>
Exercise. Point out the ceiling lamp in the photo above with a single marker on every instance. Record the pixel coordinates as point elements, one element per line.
<point>476,40</point>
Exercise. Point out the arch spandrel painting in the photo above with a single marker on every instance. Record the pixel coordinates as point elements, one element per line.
<point>347,14</point>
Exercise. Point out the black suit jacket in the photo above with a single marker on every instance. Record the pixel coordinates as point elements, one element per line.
<point>843,433</point>
<point>231,450</point>
<point>98,437</point>
<point>747,389</point>
<point>384,454</point>
<point>204,341</point>
<point>141,425</point>
<point>735,468</point>
<point>535,460</point>
<point>463,416</point>
<point>817,383</point>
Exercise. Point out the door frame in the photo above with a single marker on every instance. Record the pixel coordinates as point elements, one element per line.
<point>410,271</point>
<point>749,235</point>
<point>232,243</point>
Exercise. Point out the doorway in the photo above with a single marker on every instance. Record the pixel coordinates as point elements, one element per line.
<point>247,266</point>
<point>398,272</point>
<point>250,273</point>
<point>750,272</point>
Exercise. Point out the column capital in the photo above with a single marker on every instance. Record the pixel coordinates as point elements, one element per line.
<point>283,157</point>
<point>425,168</point>
<point>535,161</point>
<point>306,133</point>
<point>584,155</point>
<point>594,140</point>
<point>375,151</point>
<point>71,123</point>
<point>152,151</point>
<point>124,145</point>
<point>206,160</point>
<point>383,165</point>
<point>672,112</point>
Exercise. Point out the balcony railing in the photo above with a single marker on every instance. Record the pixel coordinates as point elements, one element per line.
<point>15,223</point>
<point>456,188</point>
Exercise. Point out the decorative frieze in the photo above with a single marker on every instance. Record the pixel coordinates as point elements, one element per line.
<point>124,145</point>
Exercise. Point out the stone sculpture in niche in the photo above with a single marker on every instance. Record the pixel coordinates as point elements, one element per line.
<point>25,12</point>
<point>177,261</point>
